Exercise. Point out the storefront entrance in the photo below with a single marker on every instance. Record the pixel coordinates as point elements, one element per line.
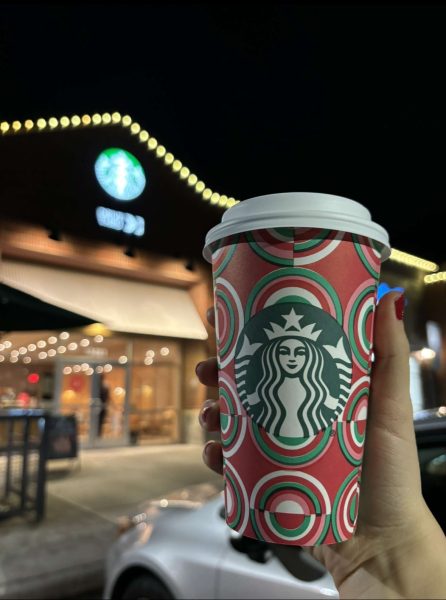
<point>96,394</point>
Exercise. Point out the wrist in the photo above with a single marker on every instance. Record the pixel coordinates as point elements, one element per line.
<point>412,567</point>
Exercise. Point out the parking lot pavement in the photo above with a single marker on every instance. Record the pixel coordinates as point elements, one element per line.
<point>63,556</point>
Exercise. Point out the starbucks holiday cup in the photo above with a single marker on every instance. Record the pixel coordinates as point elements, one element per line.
<point>295,280</point>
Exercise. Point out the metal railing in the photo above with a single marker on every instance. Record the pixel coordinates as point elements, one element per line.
<point>23,452</point>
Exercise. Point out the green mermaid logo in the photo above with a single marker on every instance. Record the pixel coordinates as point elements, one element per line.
<point>293,378</point>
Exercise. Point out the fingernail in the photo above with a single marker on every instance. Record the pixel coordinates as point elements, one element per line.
<point>399,307</point>
<point>206,448</point>
<point>198,366</point>
<point>204,415</point>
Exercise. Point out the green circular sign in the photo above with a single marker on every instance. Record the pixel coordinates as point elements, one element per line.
<point>120,174</point>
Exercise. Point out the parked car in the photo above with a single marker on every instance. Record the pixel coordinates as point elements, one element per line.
<point>180,546</point>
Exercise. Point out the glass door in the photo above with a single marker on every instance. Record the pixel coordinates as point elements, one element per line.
<point>96,395</point>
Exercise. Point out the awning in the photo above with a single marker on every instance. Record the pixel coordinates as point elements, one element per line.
<point>121,305</point>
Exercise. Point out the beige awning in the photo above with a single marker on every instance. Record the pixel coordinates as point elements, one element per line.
<point>121,305</point>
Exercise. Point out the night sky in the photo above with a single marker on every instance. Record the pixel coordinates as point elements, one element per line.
<point>257,99</point>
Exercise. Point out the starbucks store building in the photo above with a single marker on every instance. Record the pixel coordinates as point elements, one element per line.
<point>87,232</point>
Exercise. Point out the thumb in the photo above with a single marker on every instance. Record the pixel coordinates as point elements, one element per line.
<point>390,405</point>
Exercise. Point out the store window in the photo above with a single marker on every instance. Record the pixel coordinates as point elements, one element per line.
<point>121,388</point>
<point>155,391</point>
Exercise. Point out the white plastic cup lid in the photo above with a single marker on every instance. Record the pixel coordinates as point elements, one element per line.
<point>298,209</point>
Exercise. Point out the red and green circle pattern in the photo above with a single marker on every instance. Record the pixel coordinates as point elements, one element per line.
<point>228,320</point>
<point>233,431</point>
<point>290,507</point>
<point>293,285</point>
<point>229,401</point>
<point>236,499</point>
<point>313,245</point>
<point>369,254</point>
<point>351,426</point>
<point>359,323</point>
<point>222,255</point>
<point>273,245</point>
<point>303,451</point>
<point>345,507</point>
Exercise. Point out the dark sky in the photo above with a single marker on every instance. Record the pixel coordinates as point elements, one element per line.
<point>260,98</point>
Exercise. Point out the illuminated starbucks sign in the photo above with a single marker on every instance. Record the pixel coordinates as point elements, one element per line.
<point>120,174</point>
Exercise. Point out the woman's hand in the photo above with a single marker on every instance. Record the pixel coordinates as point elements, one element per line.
<point>398,550</point>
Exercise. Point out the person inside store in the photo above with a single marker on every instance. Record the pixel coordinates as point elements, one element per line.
<point>399,549</point>
<point>104,396</point>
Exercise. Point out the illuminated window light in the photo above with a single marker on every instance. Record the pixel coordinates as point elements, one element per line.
<point>86,119</point>
<point>184,172</point>
<point>4,126</point>
<point>176,165</point>
<point>413,261</point>
<point>143,136</point>
<point>192,179</point>
<point>169,158</point>
<point>64,122</point>
<point>106,118</point>
<point>53,122</point>
<point>97,119</point>
<point>16,125</point>
<point>41,123</point>
<point>75,120</point>
<point>207,193</point>
<point>200,187</point>
<point>135,128</point>
<point>126,121</point>
<point>116,117</point>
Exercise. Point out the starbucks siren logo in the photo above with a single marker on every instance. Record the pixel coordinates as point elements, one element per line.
<point>293,370</point>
